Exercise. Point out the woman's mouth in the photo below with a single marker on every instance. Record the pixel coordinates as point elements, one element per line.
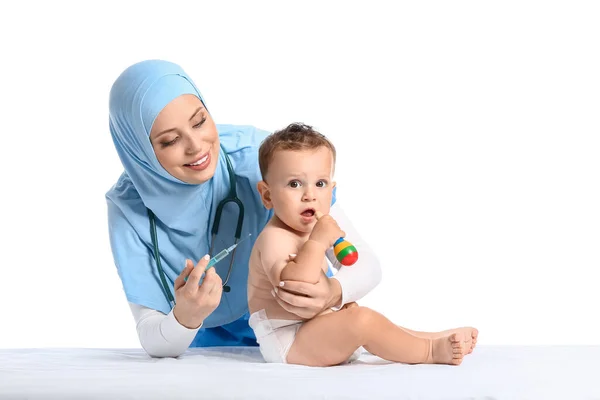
<point>199,164</point>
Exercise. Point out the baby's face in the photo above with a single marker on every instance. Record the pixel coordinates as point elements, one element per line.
<point>300,183</point>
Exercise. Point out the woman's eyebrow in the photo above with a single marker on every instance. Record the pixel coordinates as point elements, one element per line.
<point>162,133</point>
<point>174,129</point>
<point>196,112</point>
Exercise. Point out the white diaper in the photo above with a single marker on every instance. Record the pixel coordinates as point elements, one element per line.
<point>275,337</point>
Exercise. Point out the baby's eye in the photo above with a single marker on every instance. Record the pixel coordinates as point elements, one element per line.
<point>294,184</point>
<point>321,184</point>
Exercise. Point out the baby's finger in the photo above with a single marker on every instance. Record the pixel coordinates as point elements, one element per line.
<point>180,281</point>
<point>318,215</point>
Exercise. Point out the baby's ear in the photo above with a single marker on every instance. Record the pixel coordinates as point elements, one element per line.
<point>265,194</point>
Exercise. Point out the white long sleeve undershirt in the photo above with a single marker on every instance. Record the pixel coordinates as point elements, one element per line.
<point>163,336</point>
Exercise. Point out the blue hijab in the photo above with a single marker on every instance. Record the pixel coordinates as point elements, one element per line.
<point>184,212</point>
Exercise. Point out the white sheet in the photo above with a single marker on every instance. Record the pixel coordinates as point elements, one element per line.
<point>509,372</point>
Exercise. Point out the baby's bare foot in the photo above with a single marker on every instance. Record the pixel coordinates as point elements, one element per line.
<point>448,349</point>
<point>470,337</point>
<point>474,334</point>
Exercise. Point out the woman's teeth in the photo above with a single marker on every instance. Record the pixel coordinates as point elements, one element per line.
<point>200,161</point>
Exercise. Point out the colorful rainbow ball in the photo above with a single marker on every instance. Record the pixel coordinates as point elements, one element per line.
<point>345,252</point>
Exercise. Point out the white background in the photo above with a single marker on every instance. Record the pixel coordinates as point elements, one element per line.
<point>467,132</point>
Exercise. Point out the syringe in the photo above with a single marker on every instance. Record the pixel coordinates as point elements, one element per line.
<point>223,253</point>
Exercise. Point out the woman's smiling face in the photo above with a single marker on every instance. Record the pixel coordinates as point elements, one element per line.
<point>185,140</point>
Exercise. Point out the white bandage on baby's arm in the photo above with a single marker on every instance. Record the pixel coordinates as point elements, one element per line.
<point>161,335</point>
<point>363,276</point>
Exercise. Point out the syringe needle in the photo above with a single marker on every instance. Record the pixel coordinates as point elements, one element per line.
<point>224,253</point>
<point>233,246</point>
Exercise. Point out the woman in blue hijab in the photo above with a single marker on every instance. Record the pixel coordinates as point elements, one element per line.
<point>177,163</point>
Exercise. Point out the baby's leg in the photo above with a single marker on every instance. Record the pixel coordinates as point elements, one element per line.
<point>330,340</point>
<point>469,332</point>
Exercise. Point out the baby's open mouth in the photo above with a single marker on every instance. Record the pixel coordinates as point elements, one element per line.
<point>309,212</point>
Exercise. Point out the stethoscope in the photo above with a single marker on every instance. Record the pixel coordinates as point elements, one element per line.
<point>230,198</point>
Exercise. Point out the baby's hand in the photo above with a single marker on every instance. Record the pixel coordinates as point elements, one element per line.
<point>326,231</point>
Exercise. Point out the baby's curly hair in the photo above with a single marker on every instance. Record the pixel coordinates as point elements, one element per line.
<point>296,136</point>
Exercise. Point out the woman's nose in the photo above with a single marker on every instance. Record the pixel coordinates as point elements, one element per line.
<point>193,144</point>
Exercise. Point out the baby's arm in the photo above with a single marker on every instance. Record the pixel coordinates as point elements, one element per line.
<point>307,266</point>
<point>275,249</point>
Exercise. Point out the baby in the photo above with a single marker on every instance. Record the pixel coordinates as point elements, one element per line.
<point>297,166</point>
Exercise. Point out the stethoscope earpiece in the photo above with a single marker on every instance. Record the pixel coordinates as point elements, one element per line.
<point>226,289</point>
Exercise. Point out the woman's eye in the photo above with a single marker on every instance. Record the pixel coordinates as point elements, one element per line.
<point>199,124</point>
<point>294,184</point>
<point>166,144</point>
<point>321,184</point>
